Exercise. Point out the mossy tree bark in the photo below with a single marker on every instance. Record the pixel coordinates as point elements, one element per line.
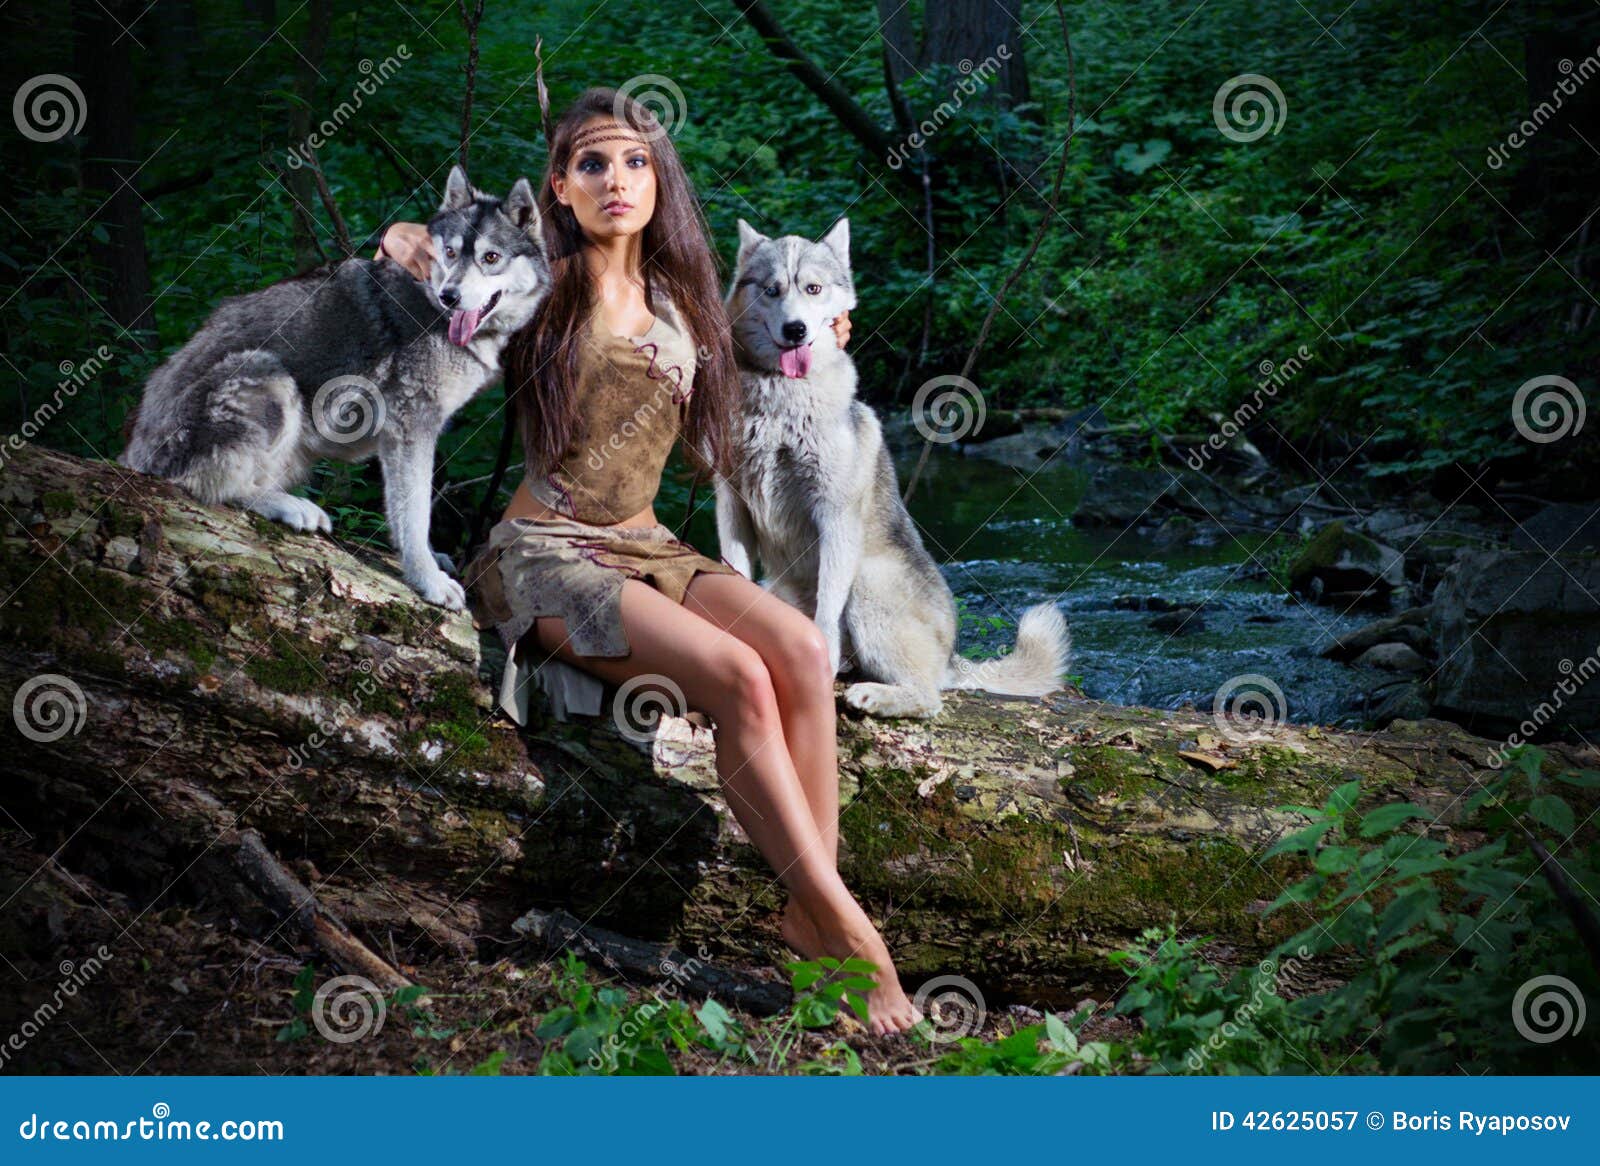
<point>293,686</point>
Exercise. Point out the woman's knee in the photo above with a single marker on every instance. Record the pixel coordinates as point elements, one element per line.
<point>803,657</point>
<point>740,685</point>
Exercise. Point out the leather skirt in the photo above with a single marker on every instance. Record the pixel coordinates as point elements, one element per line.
<point>575,570</point>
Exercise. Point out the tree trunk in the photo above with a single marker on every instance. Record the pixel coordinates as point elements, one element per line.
<point>301,180</point>
<point>177,35</point>
<point>213,667</point>
<point>958,36</point>
<point>110,159</point>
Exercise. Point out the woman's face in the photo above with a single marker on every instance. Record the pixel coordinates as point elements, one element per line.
<point>610,179</point>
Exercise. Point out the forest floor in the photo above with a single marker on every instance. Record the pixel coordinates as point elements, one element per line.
<point>189,990</point>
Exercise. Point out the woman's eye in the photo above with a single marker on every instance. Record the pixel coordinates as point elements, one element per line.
<point>813,289</point>
<point>589,165</point>
<point>637,158</point>
<point>491,257</point>
<point>772,290</point>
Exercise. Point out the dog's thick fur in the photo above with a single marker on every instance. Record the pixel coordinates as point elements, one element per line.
<point>347,362</point>
<point>816,501</point>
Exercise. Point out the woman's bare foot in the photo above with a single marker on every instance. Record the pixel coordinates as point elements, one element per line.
<point>888,1008</point>
<point>800,931</point>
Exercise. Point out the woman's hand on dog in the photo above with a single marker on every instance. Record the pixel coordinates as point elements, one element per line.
<point>409,245</point>
<point>841,328</point>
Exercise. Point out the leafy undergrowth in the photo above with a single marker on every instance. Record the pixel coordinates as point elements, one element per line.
<point>1414,959</point>
<point>1440,962</point>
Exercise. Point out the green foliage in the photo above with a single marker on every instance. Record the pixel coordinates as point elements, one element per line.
<point>1443,940</point>
<point>1367,230</point>
<point>304,991</point>
<point>1427,947</point>
<point>981,629</point>
<point>595,1030</point>
<point>1036,1050</point>
<point>1198,1021</point>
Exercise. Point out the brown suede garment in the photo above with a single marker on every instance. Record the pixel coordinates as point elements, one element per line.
<point>632,393</point>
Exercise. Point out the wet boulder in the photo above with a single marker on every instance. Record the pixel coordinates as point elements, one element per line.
<point>1569,528</point>
<point>1341,566</point>
<point>1409,627</point>
<point>1518,639</point>
<point>1392,658</point>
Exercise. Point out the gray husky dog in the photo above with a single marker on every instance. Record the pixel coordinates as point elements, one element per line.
<point>346,362</point>
<point>815,498</point>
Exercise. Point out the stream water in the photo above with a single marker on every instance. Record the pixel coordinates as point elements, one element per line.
<point>1005,540</point>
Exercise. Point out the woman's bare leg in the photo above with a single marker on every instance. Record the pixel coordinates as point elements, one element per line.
<point>725,677</point>
<point>796,655</point>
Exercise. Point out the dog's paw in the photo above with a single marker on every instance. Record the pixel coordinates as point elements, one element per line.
<point>439,588</point>
<point>890,700</point>
<point>296,513</point>
<point>446,563</point>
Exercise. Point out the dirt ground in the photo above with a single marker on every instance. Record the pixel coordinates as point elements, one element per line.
<point>195,989</point>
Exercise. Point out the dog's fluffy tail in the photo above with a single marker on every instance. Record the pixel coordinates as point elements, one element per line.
<point>1033,667</point>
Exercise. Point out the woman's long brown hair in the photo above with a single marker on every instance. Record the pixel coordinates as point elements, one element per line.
<point>677,258</point>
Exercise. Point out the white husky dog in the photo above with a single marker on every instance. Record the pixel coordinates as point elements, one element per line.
<point>816,501</point>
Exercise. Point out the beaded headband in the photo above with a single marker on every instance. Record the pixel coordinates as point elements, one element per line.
<point>605,132</point>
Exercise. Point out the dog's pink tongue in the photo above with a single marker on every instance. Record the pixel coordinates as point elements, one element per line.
<point>463,324</point>
<point>795,362</point>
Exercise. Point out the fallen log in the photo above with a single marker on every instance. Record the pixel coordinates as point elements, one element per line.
<point>158,654</point>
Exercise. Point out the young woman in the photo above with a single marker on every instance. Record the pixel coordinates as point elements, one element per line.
<point>632,350</point>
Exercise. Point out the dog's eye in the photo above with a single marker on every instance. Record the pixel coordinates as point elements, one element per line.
<point>813,289</point>
<point>449,252</point>
<point>491,257</point>
<point>773,290</point>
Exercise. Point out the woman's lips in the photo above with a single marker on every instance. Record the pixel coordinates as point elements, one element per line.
<point>617,208</point>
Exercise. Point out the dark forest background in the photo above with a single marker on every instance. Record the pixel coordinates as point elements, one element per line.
<point>1426,282</point>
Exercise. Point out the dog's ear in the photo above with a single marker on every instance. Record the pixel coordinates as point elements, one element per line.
<point>837,240</point>
<point>749,240</point>
<point>458,192</point>
<point>522,208</point>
